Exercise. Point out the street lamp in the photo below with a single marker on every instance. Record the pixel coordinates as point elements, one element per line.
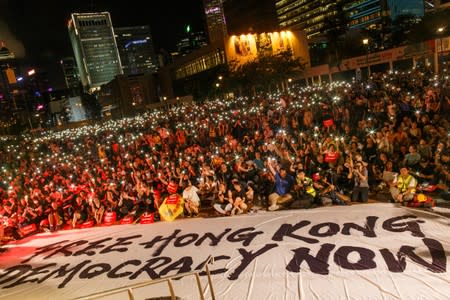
<point>366,44</point>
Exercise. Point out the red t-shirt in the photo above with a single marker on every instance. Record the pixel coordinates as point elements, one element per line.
<point>331,157</point>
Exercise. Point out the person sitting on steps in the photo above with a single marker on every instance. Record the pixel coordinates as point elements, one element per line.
<point>283,185</point>
<point>403,188</point>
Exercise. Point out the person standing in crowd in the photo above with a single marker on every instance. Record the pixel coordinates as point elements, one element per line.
<point>358,171</point>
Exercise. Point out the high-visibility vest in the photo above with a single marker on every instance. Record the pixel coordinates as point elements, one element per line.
<point>402,184</point>
<point>309,187</point>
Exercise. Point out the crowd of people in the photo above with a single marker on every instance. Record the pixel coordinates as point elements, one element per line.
<point>325,144</point>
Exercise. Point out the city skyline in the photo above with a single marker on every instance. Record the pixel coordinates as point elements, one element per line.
<point>48,41</point>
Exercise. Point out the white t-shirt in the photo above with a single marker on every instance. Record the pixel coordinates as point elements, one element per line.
<point>190,194</point>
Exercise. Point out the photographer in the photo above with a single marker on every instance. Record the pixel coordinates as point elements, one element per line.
<point>358,171</point>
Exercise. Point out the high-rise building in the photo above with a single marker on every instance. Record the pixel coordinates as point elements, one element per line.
<point>94,47</point>
<point>215,21</point>
<point>193,40</point>
<point>364,13</point>
<point>6,71</point>
<point>7,81</point>
<point>136,49</point>
<point>70,71</point>
<point>310,16</point>
<point>413,8</point>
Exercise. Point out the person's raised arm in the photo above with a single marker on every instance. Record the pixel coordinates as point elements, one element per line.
<point>277,150</point>
<point>270,165</point>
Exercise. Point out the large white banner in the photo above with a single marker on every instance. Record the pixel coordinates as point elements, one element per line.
<point>369,251</point>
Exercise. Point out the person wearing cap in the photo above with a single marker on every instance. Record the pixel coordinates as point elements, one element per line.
<point>281,195</point>
<point>403,187</point>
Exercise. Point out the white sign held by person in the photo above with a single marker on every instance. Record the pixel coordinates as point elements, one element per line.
<point>376,251</point>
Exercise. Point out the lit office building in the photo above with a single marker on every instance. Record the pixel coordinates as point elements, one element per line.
<point>191,41</point>
<point>95,49</point>
<point>136,50</point>
<point>215,20</point>
<point>309,16</point>
<point>405,7</point>
<point>70,71</point>
<point>364,13</point>
<point>7,83</point>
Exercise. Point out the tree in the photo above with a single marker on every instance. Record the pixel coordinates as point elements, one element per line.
<point>265,71</point>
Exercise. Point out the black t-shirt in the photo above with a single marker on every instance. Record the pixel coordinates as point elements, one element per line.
<point>427,169</point>
<point>370,154</point>
<point>235,193</point>
<point>380,165</point>
<point>225,177</point>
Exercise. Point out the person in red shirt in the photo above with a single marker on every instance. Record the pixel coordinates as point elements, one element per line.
<point>331,155</point>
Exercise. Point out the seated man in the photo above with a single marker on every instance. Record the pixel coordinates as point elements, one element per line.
<point>403,188</point>
<point>283,184</point>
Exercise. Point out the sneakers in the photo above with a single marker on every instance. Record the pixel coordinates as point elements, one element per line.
<point>273,207</point>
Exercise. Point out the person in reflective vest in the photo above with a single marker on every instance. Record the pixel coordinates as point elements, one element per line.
<point>403,187</point>
<point>305,186</point>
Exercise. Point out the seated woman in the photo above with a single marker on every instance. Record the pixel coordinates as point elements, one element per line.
<point>221,203</point>
<point>97,209</point>
<point>79,210</point>
<point>236,196</point>
<point>191,199</point>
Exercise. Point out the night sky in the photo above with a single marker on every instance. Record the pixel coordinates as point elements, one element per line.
<point>36,31</point>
